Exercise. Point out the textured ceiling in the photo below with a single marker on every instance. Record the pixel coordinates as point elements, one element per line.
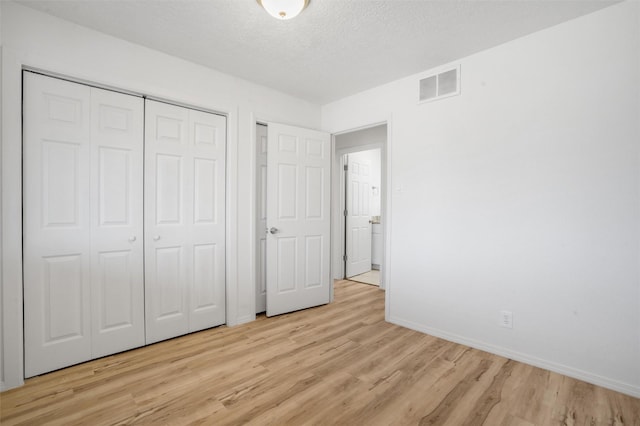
<point>335,48</point>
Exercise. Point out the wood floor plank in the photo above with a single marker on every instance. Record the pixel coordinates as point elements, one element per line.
<point>337,364</point>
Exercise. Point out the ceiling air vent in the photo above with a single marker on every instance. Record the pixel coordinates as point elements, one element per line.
<point>442,85</point>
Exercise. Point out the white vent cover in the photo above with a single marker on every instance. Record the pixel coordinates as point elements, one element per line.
<point>442,85</point>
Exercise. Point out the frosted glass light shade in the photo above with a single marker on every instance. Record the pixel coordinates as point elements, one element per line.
<point>284,9</point>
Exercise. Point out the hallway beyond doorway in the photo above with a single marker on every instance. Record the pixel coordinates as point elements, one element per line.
<point>371,277</point>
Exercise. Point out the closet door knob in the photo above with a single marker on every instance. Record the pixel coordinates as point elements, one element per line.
<point>274,230</point>
<point>132,238</point>
<point>156,237</point>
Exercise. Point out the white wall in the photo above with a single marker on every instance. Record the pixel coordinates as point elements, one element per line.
<point>522,194</point>
<point>34,39</point>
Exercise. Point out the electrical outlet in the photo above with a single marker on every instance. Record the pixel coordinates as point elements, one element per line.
<point>506,319</point>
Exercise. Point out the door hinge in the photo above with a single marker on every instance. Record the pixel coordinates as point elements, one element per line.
<point>346,212</point>
<point>344,257</point>
<point>346,167</point>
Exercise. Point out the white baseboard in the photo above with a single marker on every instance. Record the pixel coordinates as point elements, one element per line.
<point>595,379</point>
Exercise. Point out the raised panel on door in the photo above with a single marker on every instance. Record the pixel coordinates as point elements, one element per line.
<point>167,236</point>
<point>298,174</point>
<point>169,298</point>
<point>261,224</point>
<point>117,222</point>
<point>207,296</point>
<point>185,220</point>
<point>358,219</point>
<point>56,223</point>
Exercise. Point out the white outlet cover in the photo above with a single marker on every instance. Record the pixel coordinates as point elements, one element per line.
<point>506,319</point>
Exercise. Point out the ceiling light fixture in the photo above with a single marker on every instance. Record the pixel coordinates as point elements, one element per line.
<point>284,9</point>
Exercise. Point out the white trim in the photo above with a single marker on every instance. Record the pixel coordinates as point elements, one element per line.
<point>143,95</point>
<point>362,127</point>
<point>12,344</point>
<point>83,81</point>
<point>253,213</point>
<point>333,219</point>
<point>615,385</point>
<point>231,258</point>
<point>338,221</point>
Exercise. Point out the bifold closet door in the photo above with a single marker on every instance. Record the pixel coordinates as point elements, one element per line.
<point>117,244</point>
<point>184,220</point>
<point>82,219</point>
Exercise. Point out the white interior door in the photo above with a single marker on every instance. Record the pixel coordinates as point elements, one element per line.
<point>358,217</point>
<point>207,296</point>
<point>261,225</point>
<point>298,216</point>
<point>184,220</point>
<point>57,239</point>
<point>82,216</point>
<point>167,207</point>
<point>117,275</point>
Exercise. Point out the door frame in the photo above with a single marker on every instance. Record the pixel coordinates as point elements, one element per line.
<point>11,271</point>
<point>337,207</point>
<point>338,222</point>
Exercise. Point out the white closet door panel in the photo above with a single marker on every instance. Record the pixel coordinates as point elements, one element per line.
<point>170,297</point>
<point>167,209</point>
<point>185,220</point>
<point>57,249</point>
<point>117,228</point>
<point>298,201</point>
<point>207,291</point>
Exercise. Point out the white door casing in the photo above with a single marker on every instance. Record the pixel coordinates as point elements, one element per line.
<point>358,217</point>
<point>184,220</point>
<point>298,214</point>
<point>261,224</point>
<point>82,203</point>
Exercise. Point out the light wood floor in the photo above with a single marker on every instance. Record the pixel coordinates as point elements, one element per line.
<point>339,364</point>
<point>372,277</point>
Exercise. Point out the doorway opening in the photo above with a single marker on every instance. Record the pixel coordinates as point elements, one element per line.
<point>359,202</point>
<point>321,200</point>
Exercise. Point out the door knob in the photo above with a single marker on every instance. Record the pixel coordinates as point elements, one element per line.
<point>273,230</point>
<point>132,238</point>
<point>156,237</point>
